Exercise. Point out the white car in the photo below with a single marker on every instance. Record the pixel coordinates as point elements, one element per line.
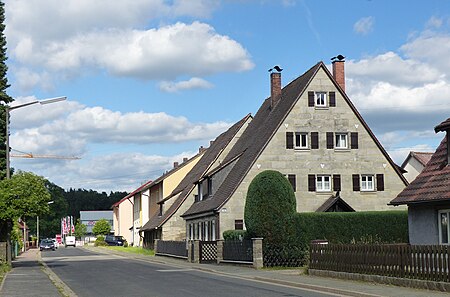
<point>55,242</point>
<point>69,241</point>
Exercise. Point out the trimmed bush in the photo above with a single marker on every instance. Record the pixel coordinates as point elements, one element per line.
<point>270,207</point>
<point>234,234</point>
<point>100,241</point>
<point>353,227</point>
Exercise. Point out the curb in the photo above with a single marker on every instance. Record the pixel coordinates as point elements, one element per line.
<point>57,282</point>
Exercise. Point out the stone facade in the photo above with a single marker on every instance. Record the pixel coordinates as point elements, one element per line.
<point>368,159</point>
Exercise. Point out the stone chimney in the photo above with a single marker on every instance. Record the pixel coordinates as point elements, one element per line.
<point>201,149</point>
<point>275,88</point>
<point>339,73</point>
<point>185,159</point>
<point>175,164</point>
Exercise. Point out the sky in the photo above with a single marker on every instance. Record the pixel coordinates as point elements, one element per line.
<point>150,81</point>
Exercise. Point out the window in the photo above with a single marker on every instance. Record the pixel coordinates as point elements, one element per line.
<point>320,99</point>
<point>239,225</point>
<point>443,225</point>
<point>341,140</point>
<point>213,230</point>
<point>301,140</point>
<point>323,183</point>
<point>367,183</point>
<point>292,181</point>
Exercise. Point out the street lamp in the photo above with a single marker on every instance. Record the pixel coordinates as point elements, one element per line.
<point>8,109</point>
<point>8,175</point>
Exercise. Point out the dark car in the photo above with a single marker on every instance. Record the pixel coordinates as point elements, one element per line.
<point>47,244</point>
<point>114,240</point>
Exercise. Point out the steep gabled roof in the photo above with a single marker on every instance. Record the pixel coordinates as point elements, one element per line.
<point>131,194</point>
<point>432,184</point>
<point>422,157</point>
<point>335,202</point>
<point>188,183</point>
<point>445,125</point>
<point>261,130</point>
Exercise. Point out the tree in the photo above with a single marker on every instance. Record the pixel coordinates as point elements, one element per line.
<point>80,229</point>
<point>269,208</point>
<point>25,196</point>
<point>101,227</point>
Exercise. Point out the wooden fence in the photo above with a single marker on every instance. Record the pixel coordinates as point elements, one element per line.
<point>400,260</point>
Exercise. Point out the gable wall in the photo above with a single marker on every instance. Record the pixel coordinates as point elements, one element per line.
<point>413,167</point>
<point>368,159</point>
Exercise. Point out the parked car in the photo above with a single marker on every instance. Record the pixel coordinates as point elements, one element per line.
<point>46,244</point>
<point>69,241</point>
<point>114,240</point>
<point>55,242</point>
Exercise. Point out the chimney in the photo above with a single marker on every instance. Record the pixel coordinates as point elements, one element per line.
<point>185,159</point>
<point>201,149</point>
<point>211,142</point>
<point>339,72</point>
<point>175,164</point>
<point>275,88</point>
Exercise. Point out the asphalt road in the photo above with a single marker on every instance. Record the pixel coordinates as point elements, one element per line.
<point>92,274</point>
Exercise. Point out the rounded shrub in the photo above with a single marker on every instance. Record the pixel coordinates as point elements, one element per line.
<point>270,207</point>
<point>100,241</point>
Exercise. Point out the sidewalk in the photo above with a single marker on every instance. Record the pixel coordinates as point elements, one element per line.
<point>27,278</point>
<point>288,277</point>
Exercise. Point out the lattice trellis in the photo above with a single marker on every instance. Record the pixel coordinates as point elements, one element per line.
<point>208,251</point>
<point>284,256</point>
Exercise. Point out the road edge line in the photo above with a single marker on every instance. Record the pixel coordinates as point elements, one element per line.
<point>57,282</point>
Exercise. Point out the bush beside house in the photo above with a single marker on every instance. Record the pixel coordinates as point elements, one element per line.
<point>352,227</point>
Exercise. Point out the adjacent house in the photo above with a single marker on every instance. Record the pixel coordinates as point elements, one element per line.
<point>123,218</point>
<point>414,164</point>
<point>311,132</point>
<point>167,224</point>
<point>428,197</point>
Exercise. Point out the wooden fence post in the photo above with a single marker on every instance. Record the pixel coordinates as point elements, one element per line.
<point>258,260</point>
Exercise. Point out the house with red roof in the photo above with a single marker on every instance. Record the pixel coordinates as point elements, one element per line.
<point>428,197</point>
<point>414,163</point>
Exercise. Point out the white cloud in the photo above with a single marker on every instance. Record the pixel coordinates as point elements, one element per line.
<point>364,25</point>
<point>434,22</point>
<point>67,128</point>
<point>193,83</point>
<point>115,37</point>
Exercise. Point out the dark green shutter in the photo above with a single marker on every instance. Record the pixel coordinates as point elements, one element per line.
<point>311,183</point>
<point>311,99</point>
<point>336,182</point>
<point>289,140</point>
<point>314,140</point>
<point>330,140</point>
<point>354,140</point>
<point>380,182</point>
<point>332,96</point>
<point>356,186</point>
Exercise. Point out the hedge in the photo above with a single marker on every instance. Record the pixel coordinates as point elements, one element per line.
<point>234,234</point>
<point>352,227</point>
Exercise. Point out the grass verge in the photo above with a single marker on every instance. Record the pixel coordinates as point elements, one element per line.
<point>131,250</point>
<point>4,268</point>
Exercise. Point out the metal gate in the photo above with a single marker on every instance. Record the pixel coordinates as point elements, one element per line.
<point>208,251</point>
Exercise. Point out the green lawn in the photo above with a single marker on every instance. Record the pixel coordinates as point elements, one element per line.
<point>132,250</point>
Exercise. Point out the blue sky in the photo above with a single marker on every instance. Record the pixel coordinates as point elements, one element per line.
<point>150,81</point>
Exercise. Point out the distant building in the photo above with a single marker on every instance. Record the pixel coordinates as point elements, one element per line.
<point>90,217</point>
<point>414,164</point>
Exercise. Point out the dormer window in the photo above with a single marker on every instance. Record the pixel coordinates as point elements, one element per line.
<point>320,99</point>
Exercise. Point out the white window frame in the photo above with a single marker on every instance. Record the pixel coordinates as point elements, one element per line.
<point>341,141</point>
<point>322,185</point>
<point>213,230</point>
<point>301,144</point>
<point>447,213</point>
<point>366,184</point>
<point>320,99</point>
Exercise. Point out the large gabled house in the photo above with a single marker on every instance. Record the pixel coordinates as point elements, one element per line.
<point>311,132</point>
<point>428,197</point>
<point>414,163</point>
<point>167,224</point>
